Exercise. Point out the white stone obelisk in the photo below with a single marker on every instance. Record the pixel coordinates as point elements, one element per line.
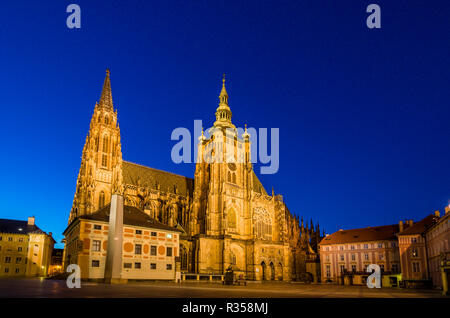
<point>113,266</point>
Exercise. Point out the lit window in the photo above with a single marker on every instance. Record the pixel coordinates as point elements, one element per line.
<point>153,250</point>
<point>96,245</point>
<point>169,236</point>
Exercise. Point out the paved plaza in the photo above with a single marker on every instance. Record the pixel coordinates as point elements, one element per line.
<point>38,288</point>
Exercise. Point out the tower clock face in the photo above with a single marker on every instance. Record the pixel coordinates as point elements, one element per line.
<point>232,166</point>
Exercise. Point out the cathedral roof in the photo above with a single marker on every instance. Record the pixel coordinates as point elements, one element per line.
<point>376,233</point>
<point>138,175</point>
<point>131,216</point>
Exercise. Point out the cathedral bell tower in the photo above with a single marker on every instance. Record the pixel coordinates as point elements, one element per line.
<point>223,180</point>
<point>100,173</point>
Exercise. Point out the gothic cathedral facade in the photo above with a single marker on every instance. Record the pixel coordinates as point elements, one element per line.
<point>226,216</point>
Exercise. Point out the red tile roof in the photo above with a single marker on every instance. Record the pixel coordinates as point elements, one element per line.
<point>421,226</point>
<point>377,233</point>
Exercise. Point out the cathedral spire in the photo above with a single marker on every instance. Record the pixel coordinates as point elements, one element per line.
<point>223,112</point>
<point>106,97</point>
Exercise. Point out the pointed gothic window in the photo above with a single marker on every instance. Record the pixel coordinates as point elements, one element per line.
<point>104,160</point>
<point>106,120</point>
<point>101,200</point>
<point>105,143</point>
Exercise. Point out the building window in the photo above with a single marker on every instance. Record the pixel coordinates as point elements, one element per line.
<point>1,238</point>
<point>393,244</point>
<point>381,256</point>
<point>353,268</point>
<point>416,267</point>
<point>328,271</point>
<point>138,231</point>
<point>342,267</point>
<point>18,260</point>
<point>352,247</point>
<point>153,233</point>
<point>6,270</point>
<point>95,263</point>
<point>101,200</point>
<point>104,160</point>
<point>10,239</point>
<point>342,258</point>
<point>138,249</point>
<point>105,141</point>
<point>127,265</point>
<point>137,265</point>
<point>153,250</point>
<point>366,246</point>
<point>341,248</point>
<point>19,249</point>
<point>380,245</point>
<point>97,227</point>
<point>96,245</point>
<point>414,253</point>
<point>169,267</point>
<point>152,265</point>
<point>382,267</point>
<point>17,271</point>
<point>414,240</point>
<point>7,259</point>
<point>328,258</point>
<point>353,257</point>
<point>20,239</point>
<point>366,256</point>
<point>169,251</point>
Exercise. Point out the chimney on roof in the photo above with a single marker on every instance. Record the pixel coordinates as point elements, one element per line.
<point>50,234</point>
<point>400,225</point>
<point>437,213</point>
<point>410,222</point>
<point>31,220</point>
<point>447,209</point>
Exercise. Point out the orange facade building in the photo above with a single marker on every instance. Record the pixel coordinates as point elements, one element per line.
<point>149,247</point>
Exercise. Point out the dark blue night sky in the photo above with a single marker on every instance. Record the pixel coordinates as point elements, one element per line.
<point>363,114</point>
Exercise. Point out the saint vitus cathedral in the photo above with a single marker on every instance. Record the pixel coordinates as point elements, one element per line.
<point>224,215</point>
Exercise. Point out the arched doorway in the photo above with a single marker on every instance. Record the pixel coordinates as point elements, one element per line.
<point>263,271</point>
<point>272,271</point>
<point>280,275</point>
